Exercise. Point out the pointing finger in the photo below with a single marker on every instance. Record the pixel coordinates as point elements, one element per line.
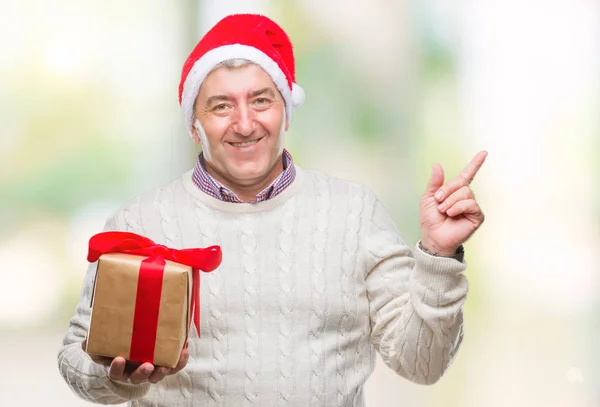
<point>471,169</point>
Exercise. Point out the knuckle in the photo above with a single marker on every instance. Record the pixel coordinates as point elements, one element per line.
<point>455,185</point>
<point>450,211</point>
<point>451,200</point>
<point>461,182</point>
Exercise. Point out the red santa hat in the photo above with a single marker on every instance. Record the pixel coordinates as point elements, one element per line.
<point>253,37</point>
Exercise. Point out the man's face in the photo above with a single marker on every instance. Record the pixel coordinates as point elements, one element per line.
<point>241,114</point>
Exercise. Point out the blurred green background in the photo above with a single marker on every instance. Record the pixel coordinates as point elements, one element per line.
<point>89,119</point>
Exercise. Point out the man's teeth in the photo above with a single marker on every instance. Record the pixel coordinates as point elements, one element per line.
<point>247,143</point>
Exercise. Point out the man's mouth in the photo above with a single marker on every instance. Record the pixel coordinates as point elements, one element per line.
<point>245,143</point>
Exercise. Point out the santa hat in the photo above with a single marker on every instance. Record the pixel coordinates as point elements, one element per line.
<point>253,37</point>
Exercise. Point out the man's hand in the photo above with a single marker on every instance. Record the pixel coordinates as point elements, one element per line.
<point>449,213</point>
<point>127,372</point>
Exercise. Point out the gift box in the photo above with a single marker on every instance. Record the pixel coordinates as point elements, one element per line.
<point>145,297</point>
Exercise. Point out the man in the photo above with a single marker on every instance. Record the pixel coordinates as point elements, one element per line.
<point>315,277</point>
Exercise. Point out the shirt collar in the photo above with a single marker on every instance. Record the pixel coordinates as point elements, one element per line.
<point>214,188</point>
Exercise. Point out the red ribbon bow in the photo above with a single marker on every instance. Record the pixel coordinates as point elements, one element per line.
<point>205,259</point>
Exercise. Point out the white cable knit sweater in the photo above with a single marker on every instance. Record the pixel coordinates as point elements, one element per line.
<point>312,283</point>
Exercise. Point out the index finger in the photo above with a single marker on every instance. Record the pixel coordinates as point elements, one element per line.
<point>471,169</point>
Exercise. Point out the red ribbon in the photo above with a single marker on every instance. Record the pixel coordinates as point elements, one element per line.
<point>145,321</point>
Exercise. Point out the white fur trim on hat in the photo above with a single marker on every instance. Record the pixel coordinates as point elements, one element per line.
<point>203,66</point>
<point>297,96</point>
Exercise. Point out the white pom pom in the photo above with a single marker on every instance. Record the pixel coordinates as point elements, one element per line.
<point>297,96</point>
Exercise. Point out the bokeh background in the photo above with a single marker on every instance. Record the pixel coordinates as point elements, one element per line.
<point>89,119</point>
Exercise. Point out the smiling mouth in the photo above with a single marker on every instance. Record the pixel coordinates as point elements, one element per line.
<point>245,143</point>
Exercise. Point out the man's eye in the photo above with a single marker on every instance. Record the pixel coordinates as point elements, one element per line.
<point>262,102</point>
<point>220,107</point>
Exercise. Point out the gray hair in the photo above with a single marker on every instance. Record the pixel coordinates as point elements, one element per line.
<point>228,63</point>
<point>233,63</point>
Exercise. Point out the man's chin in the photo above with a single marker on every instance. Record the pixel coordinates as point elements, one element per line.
<point>248,172</point>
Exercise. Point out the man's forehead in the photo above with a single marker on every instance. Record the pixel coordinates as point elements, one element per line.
<point>246,71</point>
<point>238,80</point>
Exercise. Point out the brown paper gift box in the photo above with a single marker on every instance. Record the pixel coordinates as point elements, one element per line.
<point>114,302</point>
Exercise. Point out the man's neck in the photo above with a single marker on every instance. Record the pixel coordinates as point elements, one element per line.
<point>248,190</point>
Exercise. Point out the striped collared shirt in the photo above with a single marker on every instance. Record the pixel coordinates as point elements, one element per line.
<point>214,188</point>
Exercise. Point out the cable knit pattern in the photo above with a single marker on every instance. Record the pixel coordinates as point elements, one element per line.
<point>319,292</point>
<point>217,325</point>
<point>313,282</point>
<point>451,330</point>
<point>132,216</point>
<point>171,237</point>
<point>286,302</point>
<point>167,214</point>
<point>251,307</point>
<point>348,278</point>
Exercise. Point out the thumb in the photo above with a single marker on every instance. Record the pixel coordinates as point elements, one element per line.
<point>436,180</point>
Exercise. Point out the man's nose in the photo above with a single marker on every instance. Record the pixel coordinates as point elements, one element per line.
<point>244,123</point>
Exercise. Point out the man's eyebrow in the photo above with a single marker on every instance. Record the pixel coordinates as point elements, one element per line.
<point>262,91</point>
<point>216,98</point>
<point>253,94</point>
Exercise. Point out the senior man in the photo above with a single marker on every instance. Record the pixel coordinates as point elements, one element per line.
<point>315,277</point>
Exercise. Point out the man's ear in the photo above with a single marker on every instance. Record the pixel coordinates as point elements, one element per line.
<point>195,135</point>
<point>287,124</point>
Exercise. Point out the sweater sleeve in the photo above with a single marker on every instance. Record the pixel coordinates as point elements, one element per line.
<point>86,378</point>
<point>415,302</point>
